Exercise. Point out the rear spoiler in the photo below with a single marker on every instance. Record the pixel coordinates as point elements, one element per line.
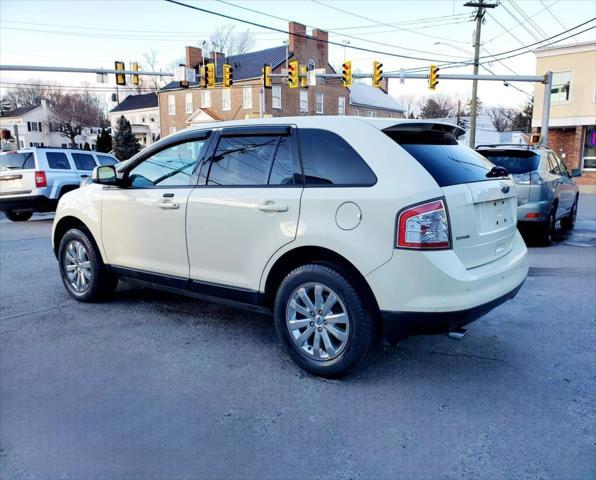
<point>420,127</point>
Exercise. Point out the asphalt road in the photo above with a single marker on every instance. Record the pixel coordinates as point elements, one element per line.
<point>156,386</point>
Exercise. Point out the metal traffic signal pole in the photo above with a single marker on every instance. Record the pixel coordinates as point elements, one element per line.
<point>474,107</point>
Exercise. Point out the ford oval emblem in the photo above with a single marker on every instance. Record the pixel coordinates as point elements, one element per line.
<point>505,189</point>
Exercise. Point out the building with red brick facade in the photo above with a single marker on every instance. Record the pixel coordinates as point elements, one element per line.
<point>572,123</point>
<point>179,107</point>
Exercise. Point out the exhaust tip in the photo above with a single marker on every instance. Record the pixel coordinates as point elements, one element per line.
<point>458,333</point>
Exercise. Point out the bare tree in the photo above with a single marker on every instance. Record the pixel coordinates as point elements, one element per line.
<point>225,39</point>
<point>501,118</point>
<point>410,104</point>
<point>76,111</point>
<point>150,62</point>
<point>30,94</point>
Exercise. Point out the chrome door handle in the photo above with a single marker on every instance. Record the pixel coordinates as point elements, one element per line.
<point>169,206</point>
<point>272,207</point>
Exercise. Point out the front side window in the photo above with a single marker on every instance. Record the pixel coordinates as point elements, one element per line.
<point>187,103</point>
<point>83,161</point>
<point>171,105</point>
<point>105,160</point>
<point>319,102</point>
<point>243,160</point>
<point>561,87</point>
<point>276,97</point>
<point>341,105</point>
<point>57,160</point>
<point>171,166</point>
<point>328,159</point>
<point>226,99</point>
<point>205,98</point>
<point>247,98</point>
<point>303,101</point>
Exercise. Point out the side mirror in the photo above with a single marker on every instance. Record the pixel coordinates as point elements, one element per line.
<point>104,175</point>
<point>576,172</point>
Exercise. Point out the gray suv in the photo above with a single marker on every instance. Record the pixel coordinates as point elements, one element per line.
<point>546,193</point>
<point>34,179</point>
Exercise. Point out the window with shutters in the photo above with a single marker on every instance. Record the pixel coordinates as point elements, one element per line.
<point>276,97</point>
<point>247,98</point>
<point>34,127</point>
<point>171,105</point>
<point>303,101</point>
<point>187,103</point>
<point>319,102</point>
<point>205,98</point>
<point>341,105</point>
<point>226,99</point>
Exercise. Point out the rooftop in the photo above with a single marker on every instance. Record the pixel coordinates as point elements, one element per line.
<point>136,102</point>
<point>19,112</point>
<point>362,95</point>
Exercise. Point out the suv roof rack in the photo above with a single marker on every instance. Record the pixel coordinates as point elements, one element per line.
<point>522,145</point>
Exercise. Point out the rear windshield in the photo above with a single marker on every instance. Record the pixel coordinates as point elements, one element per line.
<point>16,161</point>
<point>448,162</point>
<point>515,161</point>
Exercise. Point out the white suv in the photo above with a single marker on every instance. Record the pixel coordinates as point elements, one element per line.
<point>348,229</point>
<point>34,179</point>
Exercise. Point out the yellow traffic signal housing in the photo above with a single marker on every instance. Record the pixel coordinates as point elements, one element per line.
<point>433,77</point>
<point>377,76</point>
<point>210,75</point>
<point>303,76</point>
<point>135,77</point>
<point>293,81</point>
<point>346,72</point>
<point>266,75</point>
<point>202,77</point>
<point>120,77</point>
<point>228,75</point>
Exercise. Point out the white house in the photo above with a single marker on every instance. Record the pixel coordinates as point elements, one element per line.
<point>143,114</point>
<point>32,127</point>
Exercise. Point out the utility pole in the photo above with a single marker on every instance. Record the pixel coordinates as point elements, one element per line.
<point>481,6</point>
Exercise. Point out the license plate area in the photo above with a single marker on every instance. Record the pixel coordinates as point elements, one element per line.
<point>495,215</point>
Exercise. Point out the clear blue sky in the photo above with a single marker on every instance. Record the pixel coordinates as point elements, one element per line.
<point>95,33</point>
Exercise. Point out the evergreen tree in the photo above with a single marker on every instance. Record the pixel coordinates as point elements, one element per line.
<point>86,146</point>
<point>125,144</point>
<point>522,121</point>
<point>104,141</point>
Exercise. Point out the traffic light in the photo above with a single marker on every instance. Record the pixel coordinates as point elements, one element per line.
<point>346,79</point>
<point>303,76</point>
<point>228,75</point>
<point>377,76</point>
<point>293,75</point>
<point>266,75</point>
<point>433,77</point>
<point>135,77</point>
<point>120,77</point>
<point>209,75</point>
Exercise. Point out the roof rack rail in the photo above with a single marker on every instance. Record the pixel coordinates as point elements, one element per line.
<point>526,145</point>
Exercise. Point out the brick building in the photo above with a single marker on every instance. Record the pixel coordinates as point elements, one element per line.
<point>179,107</point>
<point>572,123</point>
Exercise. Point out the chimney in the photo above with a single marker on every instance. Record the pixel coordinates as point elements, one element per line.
<point>322,37</point>
<point>296,43</point>
<point>194,57</point>
<point>218,57</point>
<point>385,84</point>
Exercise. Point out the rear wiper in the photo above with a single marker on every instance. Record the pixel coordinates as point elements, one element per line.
<point>497,171</point>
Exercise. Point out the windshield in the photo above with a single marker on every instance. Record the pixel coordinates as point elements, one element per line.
<point>447,161</point>
<point>16,161</point>
<point>515,161</point>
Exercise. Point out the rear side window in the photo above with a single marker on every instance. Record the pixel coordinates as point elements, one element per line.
<point>83,161</point>
<point>515,161</point>
<point>448,162</point>
<point>327,159</point>
<point>17,161</point>
<point>242,160</point>
<point>105,160</point>
<point>57,160</point>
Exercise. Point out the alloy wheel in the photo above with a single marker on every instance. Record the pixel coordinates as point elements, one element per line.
<point>77,266</point>
<point>318,321</point>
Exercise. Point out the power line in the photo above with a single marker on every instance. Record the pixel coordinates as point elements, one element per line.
<point>329,42</point>
<point>528,18</point>
<point>333,31</point>
<point>382,23</point>
<point>522,23</point>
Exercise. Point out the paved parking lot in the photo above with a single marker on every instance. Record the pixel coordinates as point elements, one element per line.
<point>152,385</point>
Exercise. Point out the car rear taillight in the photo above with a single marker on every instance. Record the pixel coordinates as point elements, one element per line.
<point>424,226</point>
<point>40,179</point>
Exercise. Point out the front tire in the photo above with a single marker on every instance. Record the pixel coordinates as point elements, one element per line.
<point>321,320</point>
<point>20,216</point>
<point>83,273</point>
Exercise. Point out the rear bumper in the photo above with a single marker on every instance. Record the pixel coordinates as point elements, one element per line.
<point>542,209</point>
<point>399,325</point>
<point>430,292</point>
<point>35,203</point>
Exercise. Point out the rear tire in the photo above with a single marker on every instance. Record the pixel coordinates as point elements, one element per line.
<point>547,229</point>
<point>20,216</point>
<point>568,223</point>
<point>83,273</point>
<point>329,332</point>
